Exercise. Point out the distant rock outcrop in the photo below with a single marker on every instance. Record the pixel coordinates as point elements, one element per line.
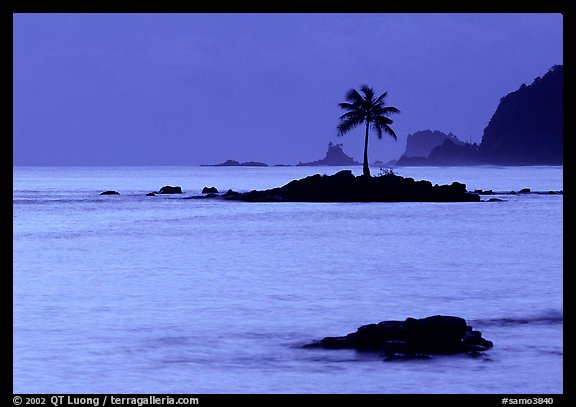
<point>411,338</point>
<point>450,153</point>
<point>109,193</point>
<point>527,127</point>
<point>234,163</point>
<point>436,148</point>
<point>335,156</point>
<point>421,143</point>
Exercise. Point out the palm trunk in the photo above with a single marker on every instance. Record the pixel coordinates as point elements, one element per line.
<point>366,168</point>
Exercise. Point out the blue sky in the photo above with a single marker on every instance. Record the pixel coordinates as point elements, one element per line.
<point>189,89</point>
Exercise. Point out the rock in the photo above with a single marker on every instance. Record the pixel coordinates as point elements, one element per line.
<point>335,156</point>
<point>436,334</point>
<point>437,148</point>
<point>421,143</point>
<point>230,193</point>
<point>234,163</point>
<point>253,164</point>
<point>527,126</point>
<point>209,190</point>
<point>411,338</point>
<point>345,187</point>
<point>473,341</point>
<point>376,336</point>
<point>151,194</point>
<point>333,342</point>
<point>482,192</point>
<point>452,153</point>
<point>524,191</point>
<point>109,193</point>
<point>526,129</point>
<point>495,200</point>
<point>170,190</point>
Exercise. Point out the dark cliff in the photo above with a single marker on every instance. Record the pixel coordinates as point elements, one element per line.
<point>527,127</point>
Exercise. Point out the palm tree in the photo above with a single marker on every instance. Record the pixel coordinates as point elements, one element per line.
<point>365,109</point>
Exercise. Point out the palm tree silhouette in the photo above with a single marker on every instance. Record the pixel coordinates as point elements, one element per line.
<point>365,109</point>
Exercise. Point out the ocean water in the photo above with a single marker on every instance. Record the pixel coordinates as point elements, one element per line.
<point>136,294</point>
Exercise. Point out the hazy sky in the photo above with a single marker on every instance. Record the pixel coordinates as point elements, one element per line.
<point>188,89</point>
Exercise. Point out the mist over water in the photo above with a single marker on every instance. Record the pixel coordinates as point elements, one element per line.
<point>136,294</point>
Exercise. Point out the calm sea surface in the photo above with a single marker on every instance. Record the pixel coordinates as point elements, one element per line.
<point>136,294</point>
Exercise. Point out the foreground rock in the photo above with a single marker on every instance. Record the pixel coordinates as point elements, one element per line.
<point>411,338</point>
<point>346,187</point>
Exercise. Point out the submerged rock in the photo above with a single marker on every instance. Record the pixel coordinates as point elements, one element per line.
<point>411,338</point>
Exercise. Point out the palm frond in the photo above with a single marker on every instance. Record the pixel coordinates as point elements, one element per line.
<point>380,99</point>
<point>364,108</point>
<point>346,125</point>
<point>347,106</point>
<point>382,125</point>
<point>368,93</point>
<point>385,110</point>
<point>354,97</point>
<point>352,115</point>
